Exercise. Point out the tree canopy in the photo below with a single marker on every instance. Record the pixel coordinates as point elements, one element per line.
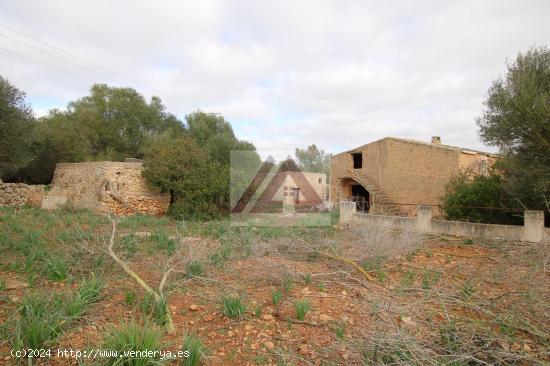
<point>16,124</point>
<point>516,119</point>
<point>313,159</point>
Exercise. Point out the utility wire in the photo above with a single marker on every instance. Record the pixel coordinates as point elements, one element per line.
<point>65,52</point>
<point>45,64</point>
<point>57,57</point>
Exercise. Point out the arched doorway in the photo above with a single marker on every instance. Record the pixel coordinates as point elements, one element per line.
<point>361,197</point>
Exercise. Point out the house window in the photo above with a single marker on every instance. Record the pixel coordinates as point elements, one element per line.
<point>357,160</point>
<point>320,180</point>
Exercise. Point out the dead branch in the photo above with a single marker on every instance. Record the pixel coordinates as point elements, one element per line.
<point>157,295</point>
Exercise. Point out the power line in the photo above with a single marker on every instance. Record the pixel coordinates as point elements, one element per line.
<point>55,56</point>
<point>65,52</point>
<point>45,64</point>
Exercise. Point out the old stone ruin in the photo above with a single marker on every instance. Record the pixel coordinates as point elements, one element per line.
<point>103,187</point>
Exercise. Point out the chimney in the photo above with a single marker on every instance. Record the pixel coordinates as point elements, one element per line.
<point>436,140</point>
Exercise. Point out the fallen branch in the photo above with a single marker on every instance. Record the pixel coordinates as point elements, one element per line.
<point>157,295</point>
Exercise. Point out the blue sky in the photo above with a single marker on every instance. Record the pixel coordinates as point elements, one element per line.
<point>286,74</point>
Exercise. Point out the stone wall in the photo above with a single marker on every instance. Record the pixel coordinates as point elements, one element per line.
<point>116,187</point>
<point>19,194</point>
<point>533,229</point>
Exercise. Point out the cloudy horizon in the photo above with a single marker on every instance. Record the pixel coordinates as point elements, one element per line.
<point>285,74</point>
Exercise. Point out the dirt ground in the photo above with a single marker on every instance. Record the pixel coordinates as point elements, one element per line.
<point>443,300</point>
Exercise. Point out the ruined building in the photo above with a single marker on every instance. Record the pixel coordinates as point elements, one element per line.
<point>106,186</point>
<point>393,176</point>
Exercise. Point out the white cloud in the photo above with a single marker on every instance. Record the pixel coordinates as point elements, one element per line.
<point>287,74</point>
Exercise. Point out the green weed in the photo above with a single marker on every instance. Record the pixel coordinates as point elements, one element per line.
<point>194,345</point>
<point>133,337</point>
<point>276,297</point>
<point>233,307</point>
<point>57,269</point>
<point>194,269</point>
<point>302,307</point>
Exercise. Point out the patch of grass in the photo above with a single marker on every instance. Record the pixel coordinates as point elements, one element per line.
<point>164,242</point>
<point>407,279</point>
<point>129,297</point>
<point>2,285</point>
<point>57,269</point>
<point>194,269</point>
<point>276,296</point>
<point>468,289</point>
<point>194,345</point>
<point>307,278</point>
<point>257,311</point>
<point>129,244</point>
<point>287,283</point>
<point>381,276</point>
<point>156,309</point>
<point>233,307</point>
<point>373,263</point>
<point>468,242</point>
<point>88,292</point>
<point>90,289</point>
<point>302,307</point>
<point>133,336</point>
<point>39,322</point>
<point>322,287</point>
<point>340,330</point>
<point>430,279</point>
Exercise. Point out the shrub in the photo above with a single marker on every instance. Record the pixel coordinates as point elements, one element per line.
<point>233,307</point>
<point>194,345</point>
<point>302,307</point>
<point>133,337</point>
<point>466,198</point>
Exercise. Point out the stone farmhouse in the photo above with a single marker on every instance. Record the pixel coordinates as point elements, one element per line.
<point>392,176</point>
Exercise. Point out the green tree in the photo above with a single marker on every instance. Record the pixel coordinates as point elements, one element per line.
<point>177,164</point>
<point>16,124</point>
<point>215,135</point>
<point>313,159</point>
<point>516,119</point>
<point>109,124</point>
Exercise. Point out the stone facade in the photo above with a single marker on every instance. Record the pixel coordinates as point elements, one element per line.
<point>116,187</point>
<point>19,194</point>
<point>395,175</point>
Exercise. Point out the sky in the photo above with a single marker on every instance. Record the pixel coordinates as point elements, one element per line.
<point>286,74</point>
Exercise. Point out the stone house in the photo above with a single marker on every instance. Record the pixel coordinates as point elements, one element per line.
<point>393,176</point>
<point>106,186</point>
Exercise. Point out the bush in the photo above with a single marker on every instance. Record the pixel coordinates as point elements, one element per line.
<point>480,199</point>
<point>133,337</point>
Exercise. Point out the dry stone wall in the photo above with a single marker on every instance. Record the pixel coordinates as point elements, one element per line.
<point>19,194</point>
<point>116,187</point>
